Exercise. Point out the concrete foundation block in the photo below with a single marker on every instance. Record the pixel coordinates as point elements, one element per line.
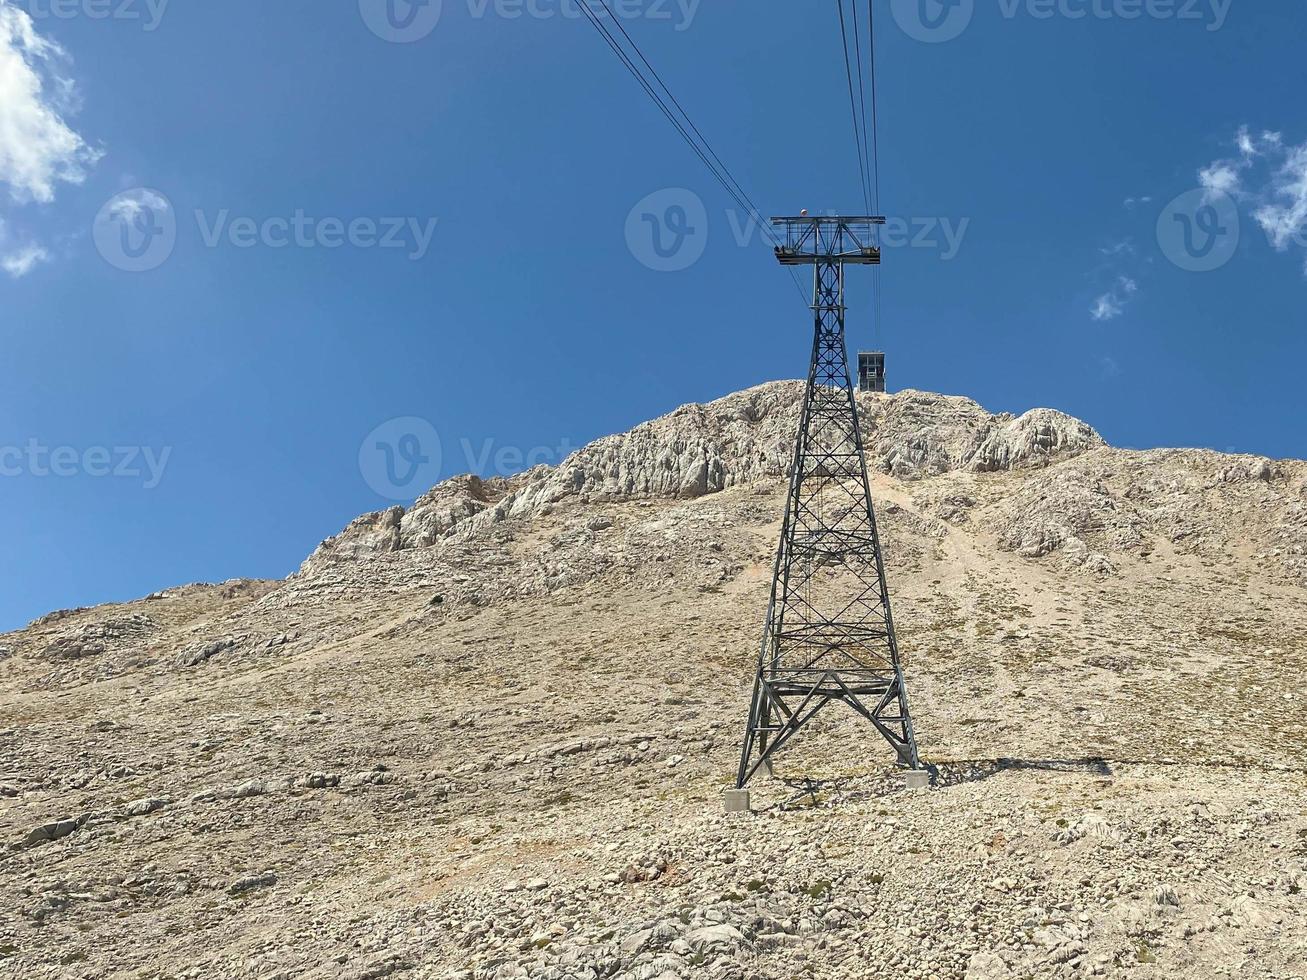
<point>737,801</point>
<point>918,779</point>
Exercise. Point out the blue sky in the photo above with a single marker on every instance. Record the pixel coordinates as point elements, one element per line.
<point>267,266</point>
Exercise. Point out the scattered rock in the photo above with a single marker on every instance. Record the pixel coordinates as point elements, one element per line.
<point>718,937</point>
<point>204,653</point>
<point>252,882</point>
<point>987,966</point>
<point>1165,895</point>
<point>241,791</point>
<point>140,808</point>
<point>53,831</point>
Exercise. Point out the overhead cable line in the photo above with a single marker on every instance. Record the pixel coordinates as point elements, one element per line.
<point>680,119</point>
<point>626,59</point>
<point>873,162</point>
<point>703,139</point>
<point>866,133</point>
<point>875,155</point>
<point>862,88</point>
<point>875,112</point>
<point>853,106</point>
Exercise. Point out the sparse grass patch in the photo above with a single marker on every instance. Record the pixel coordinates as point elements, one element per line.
<point>561,798</point>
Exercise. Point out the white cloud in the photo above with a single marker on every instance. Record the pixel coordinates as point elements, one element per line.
<point>38,150</point>
<point>1112,303</point>
<point>129,204</point>
<point>1256,146</point>
<point>23,261</point>
<point>1226,176</point>
<point>1284,216</point>
<point>1276,193</point>
<point>1106,308</point>
<point>1220,178</point>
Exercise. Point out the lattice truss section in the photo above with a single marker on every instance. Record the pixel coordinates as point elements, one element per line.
<point>832,609</point>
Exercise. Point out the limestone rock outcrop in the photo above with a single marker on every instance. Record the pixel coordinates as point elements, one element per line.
<point>702,449</point>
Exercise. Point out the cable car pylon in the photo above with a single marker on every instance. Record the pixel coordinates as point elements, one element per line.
<point>829,633</point>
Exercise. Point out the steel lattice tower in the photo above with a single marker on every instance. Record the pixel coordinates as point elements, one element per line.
<point>829,634</point>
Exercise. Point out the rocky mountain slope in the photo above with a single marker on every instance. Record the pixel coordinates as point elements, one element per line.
<point>486,735</point>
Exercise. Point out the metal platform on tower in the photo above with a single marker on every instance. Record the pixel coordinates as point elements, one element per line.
<point>809,239</point>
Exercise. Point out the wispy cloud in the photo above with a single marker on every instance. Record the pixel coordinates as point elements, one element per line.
<point>1115,274</point>
<point>19,263</point>
<point>1220,178</point>
<point>128,205</point>
<point>1111,304</point>
<point>1284,217</point>
<point>1268,177</point>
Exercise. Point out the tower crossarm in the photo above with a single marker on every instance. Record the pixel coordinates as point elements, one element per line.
<point>807,240</point>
